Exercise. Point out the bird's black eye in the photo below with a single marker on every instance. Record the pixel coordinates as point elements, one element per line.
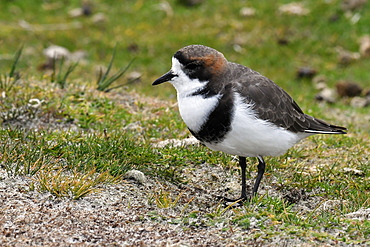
<point>192,66</point>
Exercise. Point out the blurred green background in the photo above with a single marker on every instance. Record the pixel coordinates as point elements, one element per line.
<point>274,43</point>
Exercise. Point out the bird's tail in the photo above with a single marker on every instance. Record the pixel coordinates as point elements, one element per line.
<point>318,126</point>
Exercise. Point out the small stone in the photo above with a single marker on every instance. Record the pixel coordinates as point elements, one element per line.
<point>346,57</point>
<point>86,8</point>
<point>98,18</point>
<point>365,46</point>
<point>191,3</point>
<point>319,82</point>
<point>349,5</point>
<point>247,12</point>
<point>319,79</point>
<point>360,102</point>
<point>283,41</point>
<point>353,171</point>
<point>327,95</point>
<point>348,89</point>
<point>75,12</point>
<point>294,9</point>
<point>56,52</point>
<point>136,175</point>
<point>306,72</point>
<point>361,214</point>
<point>176,142</point>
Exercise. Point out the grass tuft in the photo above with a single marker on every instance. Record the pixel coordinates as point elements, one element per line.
<point>62,182</point>
<point>164,199</point>
<point>61,78</point>
<point>7,81</point>
<point>105,81</point>
<point>17,56</point>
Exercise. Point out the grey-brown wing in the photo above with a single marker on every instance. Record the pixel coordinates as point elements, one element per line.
<point>273,104</point>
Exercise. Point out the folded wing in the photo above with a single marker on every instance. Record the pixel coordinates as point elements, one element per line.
<point>273,104</point>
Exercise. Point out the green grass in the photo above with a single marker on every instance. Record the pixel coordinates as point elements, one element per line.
<point>87,138</point>
<point>311,39</point>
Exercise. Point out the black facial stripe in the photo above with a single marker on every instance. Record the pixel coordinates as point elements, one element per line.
<point>198,71</point>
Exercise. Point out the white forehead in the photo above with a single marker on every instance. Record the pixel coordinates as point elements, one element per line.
<point>176,66</point>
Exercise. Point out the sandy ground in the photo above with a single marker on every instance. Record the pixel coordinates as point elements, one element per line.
<point>125,214</point>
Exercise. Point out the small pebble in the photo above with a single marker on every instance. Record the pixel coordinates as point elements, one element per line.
<point>306,72</point>
<point>327,95</point>
<point>346,57</point>
<point>353,171</point>
<point>57,52</point>
<point>365,46</point>
<point>191,3</point>
<point>294,9</point>
<point>361,214</point>
<point>360,102</point>
<point>98,18</point>
<point>176,142</point>
<point>247,12</point>
<point>348,89</point>
<point>75,12</point>
<point>350,5</point>
<point>136,175</point>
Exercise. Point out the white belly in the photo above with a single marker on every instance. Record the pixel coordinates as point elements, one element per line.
<point>251,137</point>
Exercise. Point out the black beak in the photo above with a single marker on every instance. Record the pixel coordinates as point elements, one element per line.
<point>166,77</point>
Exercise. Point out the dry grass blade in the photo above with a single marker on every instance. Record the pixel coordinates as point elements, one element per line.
<point>164,199</point>
<point>72,184</point>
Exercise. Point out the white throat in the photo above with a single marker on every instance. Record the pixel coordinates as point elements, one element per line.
<point>194,109</point>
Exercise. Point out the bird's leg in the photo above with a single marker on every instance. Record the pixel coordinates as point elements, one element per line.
<point>243,165</point>
<point>261,170</point>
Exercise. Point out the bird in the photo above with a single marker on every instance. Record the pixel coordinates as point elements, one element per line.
<point>231,108</point>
